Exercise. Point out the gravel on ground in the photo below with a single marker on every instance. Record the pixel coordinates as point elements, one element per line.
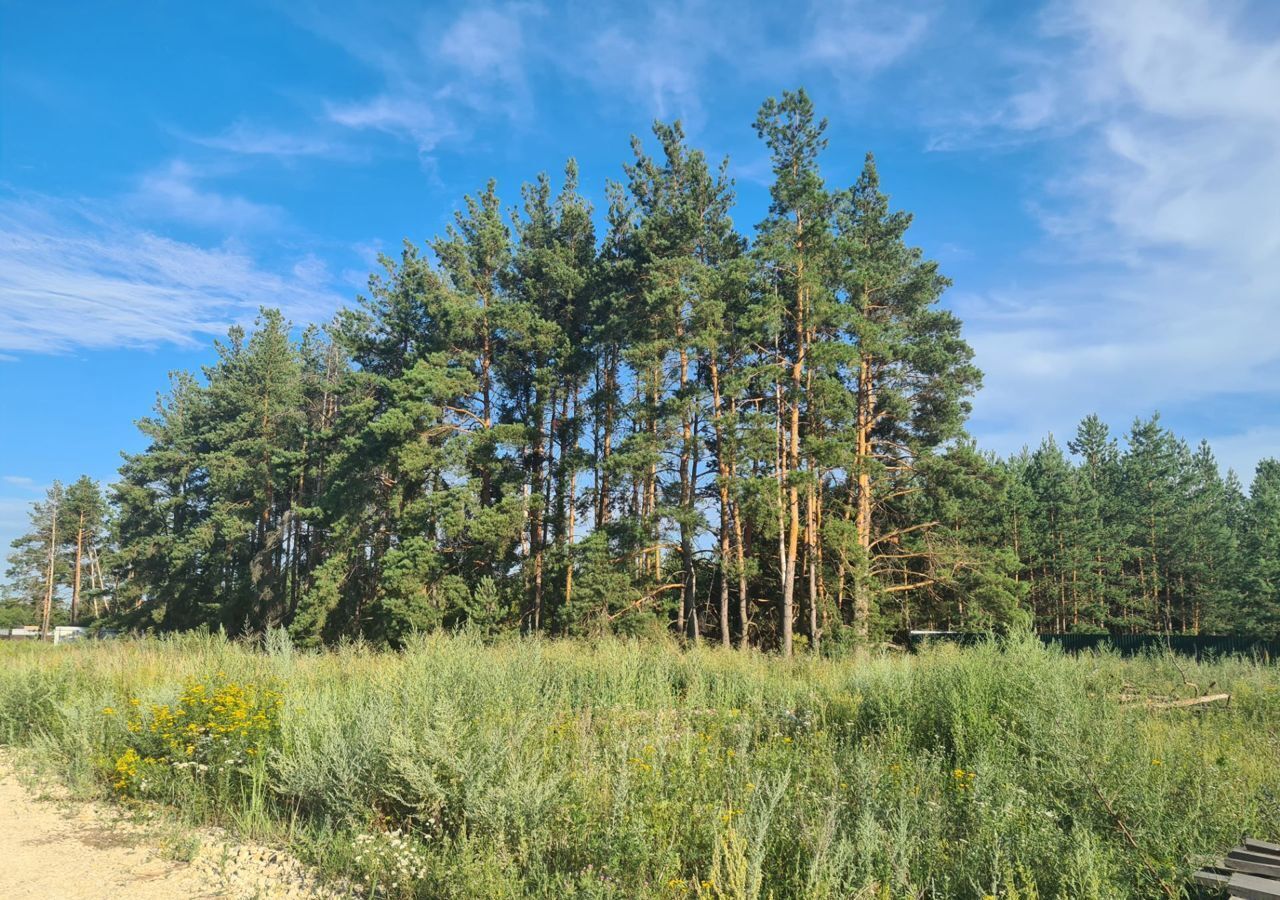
<point>52,846</point>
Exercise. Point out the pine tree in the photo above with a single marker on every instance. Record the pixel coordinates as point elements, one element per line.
<point>913,376</point>
<point>1100,555</point>
<point>545,365</point>
<point>1260,613</point>
<point>1207,580</point>
<point>792,246</point>
<point>1050,480</point>
<point>1151,487</point>
<point>37,565</point>
<point>84,515</point>
<point>681,239</point>
<point>975,569</point>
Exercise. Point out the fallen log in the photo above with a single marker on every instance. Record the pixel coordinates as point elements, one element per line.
<point>1194,701</point>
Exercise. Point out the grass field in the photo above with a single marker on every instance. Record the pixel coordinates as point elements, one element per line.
<point>526,769</point>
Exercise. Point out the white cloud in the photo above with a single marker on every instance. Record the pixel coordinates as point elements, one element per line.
<point>485,42</point>
<point>1159,278</point>
<point>854,37</point>
<point>442,76</point>
<point>424,122</point>
<point>669,55</point>
<point>650,65</point>
<point>445,74</point>
<point>251,140</point>
<point>19,480</point>
<point>176,191</point>
<point>73,275</point>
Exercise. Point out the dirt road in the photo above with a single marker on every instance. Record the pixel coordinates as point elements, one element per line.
<point>63,850</point>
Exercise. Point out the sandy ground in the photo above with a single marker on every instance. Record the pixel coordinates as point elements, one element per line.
<point>53,848</point>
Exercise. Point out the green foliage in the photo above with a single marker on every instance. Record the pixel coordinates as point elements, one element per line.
<point>1145,538</point>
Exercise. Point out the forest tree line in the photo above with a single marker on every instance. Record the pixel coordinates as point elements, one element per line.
<point>755,440</point>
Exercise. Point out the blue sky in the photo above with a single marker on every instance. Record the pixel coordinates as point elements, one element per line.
<point>1099,178</point>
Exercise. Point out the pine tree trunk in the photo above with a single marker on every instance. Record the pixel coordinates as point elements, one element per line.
<point>572,514</point>
<point>739,540</point>
<point>48,596</point>
<point>603,505</point>
<point>722,475</point>
<point>651,487</point>
<point>784,609</point>
<point>811,542</point>
<point>862,521</point>
<point>688,473</point>
<point>689,584</point>
<point>97,582</point>
<point>486,392</point>
<point>811,563</point>
<point>821,615</point>
<point>75,588</point>
<point>536,509</point>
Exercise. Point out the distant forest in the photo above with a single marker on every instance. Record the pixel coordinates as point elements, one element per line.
<point>752,440</point>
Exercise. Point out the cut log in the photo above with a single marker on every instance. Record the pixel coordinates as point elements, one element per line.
<point>1213,877</point>
<point>1253,887</point>
<point>1253,864</point>
<point>1194,701</point>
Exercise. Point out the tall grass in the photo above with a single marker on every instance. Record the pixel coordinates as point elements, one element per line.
<point>530,769</point>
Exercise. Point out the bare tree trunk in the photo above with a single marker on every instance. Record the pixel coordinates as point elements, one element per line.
<point>536,510</point>
<point>486,391</point>
<point>603,506</point>
<point>739,540</point>
<point>811,563</point>
<point>572,514</point>
<point>75,587</point>
<point>651,489</point>
<point>48,596</point>
<point>688,473</point>
<point>784,609</point>
<point>817,547</point>
<point>722,475</point>
<point>865,422</point>
<point>95,574</point>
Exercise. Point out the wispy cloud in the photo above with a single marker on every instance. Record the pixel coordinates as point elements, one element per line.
<point>247,139</point>
<point>443,75</point>
<point>73,275</point>
<point>659,56</point>
<point>479,64</point>
<point>179,191</point>
<point>485,42</point>
<point>855,37</point>
<point>670,55</point>
<point>1160,276</point>
<point>426,123</point>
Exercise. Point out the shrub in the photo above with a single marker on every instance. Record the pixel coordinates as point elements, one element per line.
<point>213,731</point>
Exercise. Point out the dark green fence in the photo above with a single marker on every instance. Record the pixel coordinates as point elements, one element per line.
<point>1198,646</point>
